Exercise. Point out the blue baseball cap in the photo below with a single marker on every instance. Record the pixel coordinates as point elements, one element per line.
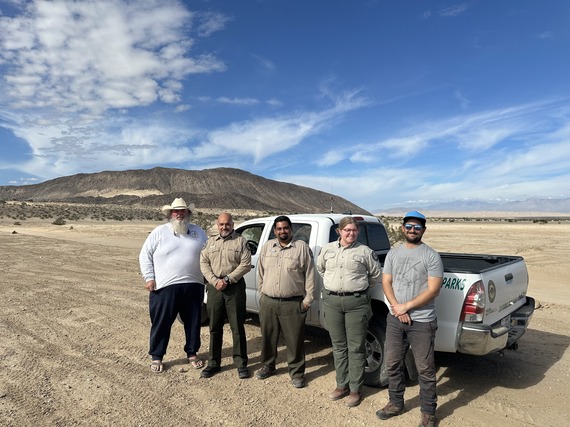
<point>415,215</point>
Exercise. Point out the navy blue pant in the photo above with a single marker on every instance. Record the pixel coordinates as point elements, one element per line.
<point>164,306</point>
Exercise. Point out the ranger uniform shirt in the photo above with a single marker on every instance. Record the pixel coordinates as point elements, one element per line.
<point>348,269</point>
<point>284,272</point>
<point>225,256</point>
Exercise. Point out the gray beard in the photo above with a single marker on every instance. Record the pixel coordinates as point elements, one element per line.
<point>179,226</point>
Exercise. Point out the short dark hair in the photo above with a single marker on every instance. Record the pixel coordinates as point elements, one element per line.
<point>282,218</point>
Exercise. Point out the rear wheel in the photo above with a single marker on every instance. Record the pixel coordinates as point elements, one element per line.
<point>375,371</point>
<point>204,316</point>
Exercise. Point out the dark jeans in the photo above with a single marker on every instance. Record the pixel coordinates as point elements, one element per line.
<point>231,303</point>
<point>419,336</point>
<point>164,305</point>
<point>347,322</point>
<point>285,316</point>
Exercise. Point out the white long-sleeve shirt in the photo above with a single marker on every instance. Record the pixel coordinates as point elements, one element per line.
<point>171,258</point>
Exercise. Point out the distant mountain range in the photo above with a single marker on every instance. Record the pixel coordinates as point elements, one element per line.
<point>529,205</point>
<point>220,189</point>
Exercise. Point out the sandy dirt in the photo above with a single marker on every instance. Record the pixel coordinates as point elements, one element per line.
<point>74,334</point>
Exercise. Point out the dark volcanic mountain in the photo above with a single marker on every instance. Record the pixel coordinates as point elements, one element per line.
<point>221,188</point>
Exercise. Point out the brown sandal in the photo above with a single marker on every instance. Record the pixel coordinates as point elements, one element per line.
<point>196,362</point>
<point>156,366</point>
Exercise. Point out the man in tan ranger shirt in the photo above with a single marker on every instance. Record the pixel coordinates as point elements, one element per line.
<point>286,280</point>
<point>224,261</point>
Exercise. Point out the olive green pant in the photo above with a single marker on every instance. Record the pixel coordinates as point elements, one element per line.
<point>347,319</point>
<point>228,303</point>
<point>288,317</point>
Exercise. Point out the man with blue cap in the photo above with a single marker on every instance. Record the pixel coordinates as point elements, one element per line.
<point>411,280</point>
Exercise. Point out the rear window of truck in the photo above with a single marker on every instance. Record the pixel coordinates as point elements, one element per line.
<point>372,235</point>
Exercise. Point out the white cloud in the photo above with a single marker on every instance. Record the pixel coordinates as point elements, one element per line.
<point>267,136</point>
<point>514,153</point>
<point>95,56</point>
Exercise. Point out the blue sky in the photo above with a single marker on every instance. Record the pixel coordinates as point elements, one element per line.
<point>385,103</point>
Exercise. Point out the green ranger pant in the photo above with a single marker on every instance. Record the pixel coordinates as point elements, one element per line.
<point>287,316</point>
<point>228,303</point>
<point>347,319</point>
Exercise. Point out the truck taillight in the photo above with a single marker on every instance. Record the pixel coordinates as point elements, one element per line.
<point>474,305</point>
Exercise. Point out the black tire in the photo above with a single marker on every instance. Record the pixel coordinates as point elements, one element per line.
<point>375,372</point>
<point>205,317</point>
<point>204,314</point>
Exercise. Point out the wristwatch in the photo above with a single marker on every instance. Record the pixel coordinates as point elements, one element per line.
<point>227,280</point>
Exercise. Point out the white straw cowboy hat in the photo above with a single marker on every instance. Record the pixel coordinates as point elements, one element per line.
<point>177,204</point>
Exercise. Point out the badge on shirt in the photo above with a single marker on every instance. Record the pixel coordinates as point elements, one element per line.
<point>194,234</point>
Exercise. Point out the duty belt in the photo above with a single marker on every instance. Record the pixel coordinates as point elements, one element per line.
<point>346,294</point>
<point>295,298</point>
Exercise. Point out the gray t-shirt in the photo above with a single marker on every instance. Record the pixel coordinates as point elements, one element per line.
<point>410,268</point>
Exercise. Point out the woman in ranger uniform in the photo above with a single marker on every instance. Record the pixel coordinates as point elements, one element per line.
<point>349,269</point>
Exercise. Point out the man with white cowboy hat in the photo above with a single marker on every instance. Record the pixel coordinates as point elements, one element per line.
<point>170,266</point>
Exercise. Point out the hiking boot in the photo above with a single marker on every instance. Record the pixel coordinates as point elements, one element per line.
<point>353,399</point>
<point>389,411</point>
<point>338,393</point>
<point>298,382</point>
<point>264,372</point>
<point>427,420</point>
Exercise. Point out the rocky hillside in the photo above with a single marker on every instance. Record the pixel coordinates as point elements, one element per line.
<point>221,188</point>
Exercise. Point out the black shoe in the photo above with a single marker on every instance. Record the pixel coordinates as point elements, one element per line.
<point>209,371</point>
<point>389,411</point>
<point>298,382</point>
<point>243,373</point>
<point>264,372</point>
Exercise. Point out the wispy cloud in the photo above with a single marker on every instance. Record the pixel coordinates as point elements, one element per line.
<point>267,136</point>
<point>463,100</point>
<point>265,63</point>
<point>473,133</point>
<point>506,150</point>
<point>546,35</point>
<point>450,12</point>
<point>237,101</point>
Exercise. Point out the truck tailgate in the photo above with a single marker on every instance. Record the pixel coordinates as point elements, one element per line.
<point>505,283</point>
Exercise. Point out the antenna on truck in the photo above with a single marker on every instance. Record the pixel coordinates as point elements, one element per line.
<point>332,192</point>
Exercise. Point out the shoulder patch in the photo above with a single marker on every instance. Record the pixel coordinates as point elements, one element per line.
<point>311,253</point>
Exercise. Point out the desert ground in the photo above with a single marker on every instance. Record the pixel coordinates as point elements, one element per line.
<point>74,333</point>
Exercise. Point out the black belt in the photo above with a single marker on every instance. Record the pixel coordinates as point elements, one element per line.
<point>346,294</point>
<point>295,298</point>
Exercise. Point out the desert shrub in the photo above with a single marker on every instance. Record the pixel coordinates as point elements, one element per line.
<point>17,223</point>
<point>59,221</point>
<point>395,234</point>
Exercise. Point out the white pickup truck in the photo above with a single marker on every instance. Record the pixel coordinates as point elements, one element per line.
<point>482,306</point>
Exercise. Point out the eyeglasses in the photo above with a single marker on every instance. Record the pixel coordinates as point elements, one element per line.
<point>416,227</point>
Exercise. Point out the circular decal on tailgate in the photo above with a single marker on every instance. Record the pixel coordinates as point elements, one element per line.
<point>492,290</point>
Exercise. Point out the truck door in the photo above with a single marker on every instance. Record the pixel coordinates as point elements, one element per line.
<point>253,233</point>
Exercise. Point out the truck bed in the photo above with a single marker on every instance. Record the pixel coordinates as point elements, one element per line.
<point>474,263</point>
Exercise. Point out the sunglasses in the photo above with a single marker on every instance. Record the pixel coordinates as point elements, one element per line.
<point>416,227</point>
